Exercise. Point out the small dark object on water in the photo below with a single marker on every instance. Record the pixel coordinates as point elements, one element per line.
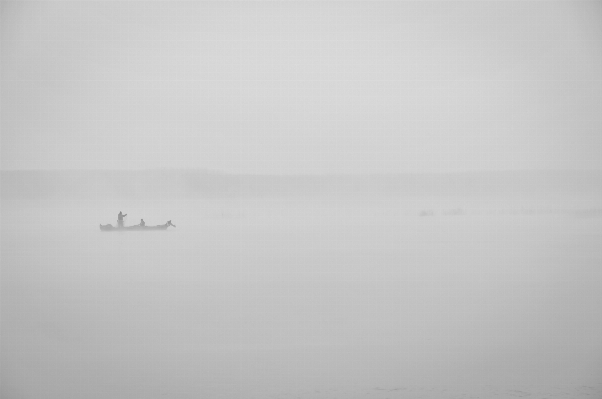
<point>109,227</point>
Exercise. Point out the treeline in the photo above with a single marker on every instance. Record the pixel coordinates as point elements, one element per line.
<point>158,184</point>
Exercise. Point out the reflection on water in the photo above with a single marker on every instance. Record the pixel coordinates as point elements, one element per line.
<point>317,300</point>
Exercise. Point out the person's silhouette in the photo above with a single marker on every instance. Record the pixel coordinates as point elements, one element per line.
<point>120,219</point>
<point>142,224</point>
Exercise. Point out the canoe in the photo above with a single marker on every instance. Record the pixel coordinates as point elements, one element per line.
<point>110,227</point>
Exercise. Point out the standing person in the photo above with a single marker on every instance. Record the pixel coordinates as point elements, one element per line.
<point>120,219</point>
<point>142,224</point>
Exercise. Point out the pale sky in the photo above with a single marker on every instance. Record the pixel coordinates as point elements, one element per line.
<point>283,88</point>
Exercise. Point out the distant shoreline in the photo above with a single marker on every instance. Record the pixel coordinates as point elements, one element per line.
<point>189,183</point>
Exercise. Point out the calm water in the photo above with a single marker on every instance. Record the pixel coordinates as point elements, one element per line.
<point>309,299</point>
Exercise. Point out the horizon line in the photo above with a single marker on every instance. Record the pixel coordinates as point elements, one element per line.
<point>221,172</point>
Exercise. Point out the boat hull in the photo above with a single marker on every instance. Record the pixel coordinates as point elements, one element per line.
<point>109,227</point>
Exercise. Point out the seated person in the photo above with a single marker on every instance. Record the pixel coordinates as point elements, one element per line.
<point>142,224</point>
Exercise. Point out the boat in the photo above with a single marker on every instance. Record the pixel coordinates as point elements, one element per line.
<point>110,227</point>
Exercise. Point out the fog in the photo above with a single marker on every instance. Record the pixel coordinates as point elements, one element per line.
<point>301,87</point>
<point>372,199</point>
<point>318,297</point>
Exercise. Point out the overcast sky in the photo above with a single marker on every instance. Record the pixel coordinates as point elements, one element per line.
<point>301,87</point>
